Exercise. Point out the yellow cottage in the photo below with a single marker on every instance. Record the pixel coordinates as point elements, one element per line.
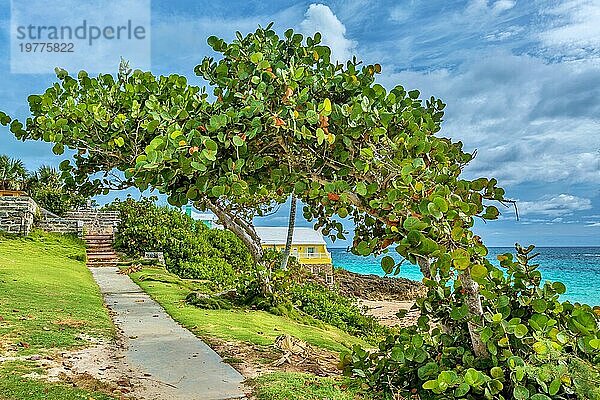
<point>308,245</point>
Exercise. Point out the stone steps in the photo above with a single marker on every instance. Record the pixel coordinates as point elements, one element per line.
<point>100,251</point>
<point>100,246</point>
<point>102,256</point>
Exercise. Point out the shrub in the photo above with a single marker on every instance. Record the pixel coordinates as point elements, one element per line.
<point>539,347</point>
<point>208,302</point>
<point>191,250</point>
<point>326,305</point>
<point>144,226</point>
<point>228,246</point>
<point>216,270</point>
<point>305,302</point>
<point>250,286</point>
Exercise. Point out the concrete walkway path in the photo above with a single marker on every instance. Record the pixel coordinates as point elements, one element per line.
<point>163,350</point>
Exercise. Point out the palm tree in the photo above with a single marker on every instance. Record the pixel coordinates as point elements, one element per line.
<point>47,187</point>
<point>290,232</point>
<point>47,176</point>
<point>13,173</point>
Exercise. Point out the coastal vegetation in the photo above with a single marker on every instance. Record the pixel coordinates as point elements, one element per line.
<point>327,305</point>
<point>45,185</point>
<point>190,249</point>
<point>285,119</point>
<point>284,386</point>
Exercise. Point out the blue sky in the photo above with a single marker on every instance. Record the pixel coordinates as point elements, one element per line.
<point>521,80</point>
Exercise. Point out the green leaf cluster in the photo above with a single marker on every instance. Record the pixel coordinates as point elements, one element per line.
<point>540,347</point>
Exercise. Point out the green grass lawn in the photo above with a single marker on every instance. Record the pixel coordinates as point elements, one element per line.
<point>48,299</point>
<point>257,327</point>
<point>287,386</point>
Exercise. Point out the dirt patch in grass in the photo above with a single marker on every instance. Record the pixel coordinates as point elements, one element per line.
<point>100,368</point>
<point>97,369</point>
<point>88,382</point>
<point>69,322</point>
<point>253,360</point>
<point>390,312</point>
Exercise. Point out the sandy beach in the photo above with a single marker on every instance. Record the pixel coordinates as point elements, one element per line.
<point>386,311</point>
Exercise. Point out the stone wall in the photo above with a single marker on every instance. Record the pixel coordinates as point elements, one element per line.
<point>93,220</point>
<point>17,214</point>
<point>87,220</point>
<point>60,225</point>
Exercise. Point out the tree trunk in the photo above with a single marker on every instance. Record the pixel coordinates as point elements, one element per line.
<point>475,309</point>
<point>242,229</point>
<point>473,303</point>
<point>247,234</point>
<point>290,232</point>
<point>424,266</point>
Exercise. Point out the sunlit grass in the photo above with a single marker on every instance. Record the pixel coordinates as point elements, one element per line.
<point>257,327</point>
<point>48,302</point>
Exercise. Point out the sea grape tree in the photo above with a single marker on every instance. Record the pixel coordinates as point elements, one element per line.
<point>283,119</point>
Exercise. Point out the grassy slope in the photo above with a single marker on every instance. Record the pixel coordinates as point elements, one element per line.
<point>47,300</point>
<point>256,327</point>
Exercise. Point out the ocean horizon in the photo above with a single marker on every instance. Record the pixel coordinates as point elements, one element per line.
<point>577,267</point>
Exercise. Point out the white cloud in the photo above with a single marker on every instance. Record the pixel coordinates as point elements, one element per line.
<point>503,5</point>
<point>557,206</point>
<point>530,121</point>
<point>400,13</point>
<point>574,30</point>
<point>320,18</point>
<point>504,34</point>
<point>485,6</point>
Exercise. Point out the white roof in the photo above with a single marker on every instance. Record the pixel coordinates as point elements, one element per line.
<point>203,216</point>
<point>278,235</point>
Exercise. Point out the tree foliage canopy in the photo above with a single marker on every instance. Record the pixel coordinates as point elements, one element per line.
<point>285,119</point>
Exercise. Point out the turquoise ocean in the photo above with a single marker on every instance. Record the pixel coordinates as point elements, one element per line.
<point>577,267</point>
